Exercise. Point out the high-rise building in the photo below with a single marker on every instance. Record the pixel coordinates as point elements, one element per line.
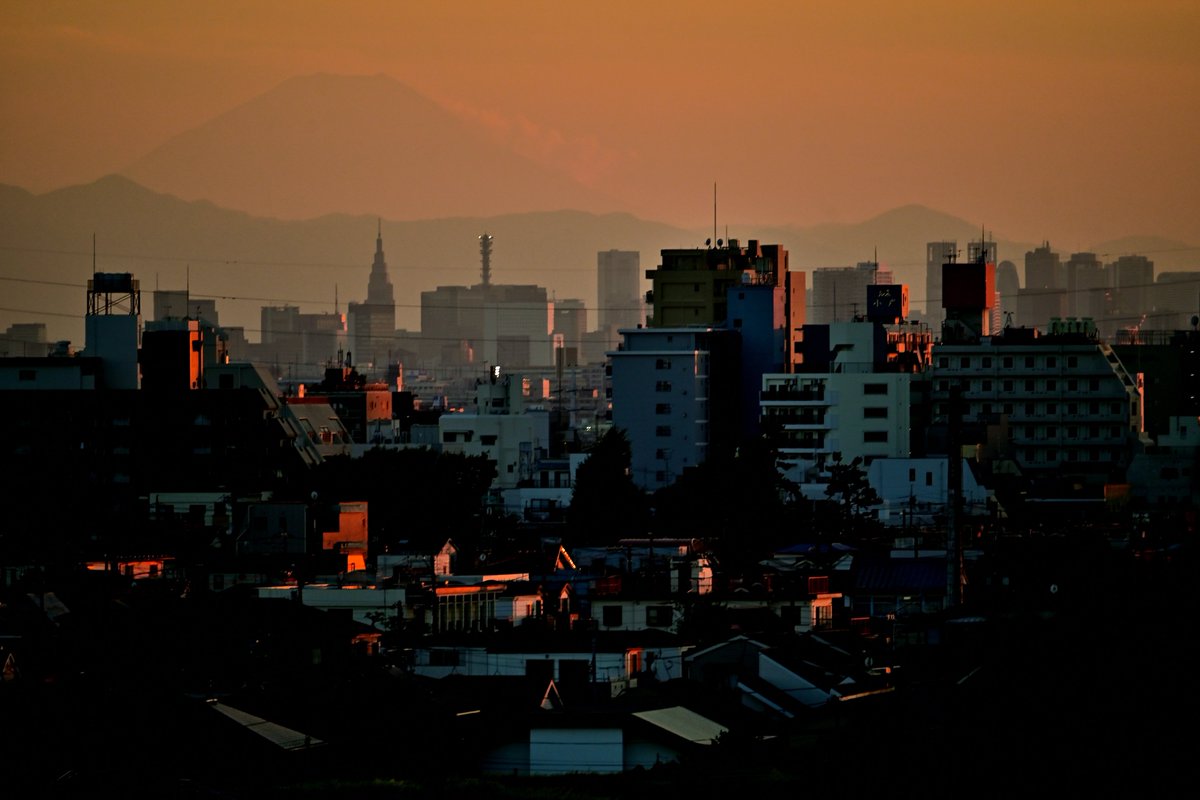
<point>675,394</point>
<point>1008,287</point>
<point>492,323</point>
<point>936,254</point>
<point>373,323</point>
<point>1132,279</point>
<point>1044,296</point>
<point>618,292</point>
<point>1087,285</point>
<point>839,294</point>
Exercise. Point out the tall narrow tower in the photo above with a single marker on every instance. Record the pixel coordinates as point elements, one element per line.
<point>485,258</point>
<point>373,323</point>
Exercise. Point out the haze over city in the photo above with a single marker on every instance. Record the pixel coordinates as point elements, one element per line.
<point>1065,120</point>
<point>596,400</point>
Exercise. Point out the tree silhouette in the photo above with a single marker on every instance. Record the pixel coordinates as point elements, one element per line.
<point>850,489</point>
<point>605,503</point>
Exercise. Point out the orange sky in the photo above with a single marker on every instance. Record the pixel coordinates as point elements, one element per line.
<point>1074,121</point>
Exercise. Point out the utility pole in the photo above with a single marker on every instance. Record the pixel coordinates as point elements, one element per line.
<point>954,478</point>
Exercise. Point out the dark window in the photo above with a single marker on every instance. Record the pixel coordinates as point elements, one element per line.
<point>875,436</point>
<point>987,361</point>
<point>662,386</point>
<point>27,375</point>
<point>658,616</point>
<point>1051,361</point>
<point>964,362</point>
<point>662,363</point>
<point>875,388</point>
<point>1007,362</point>
<point>1072,361</point>
<point>986,386</point>
<point>1072,385</point>
<point>1008,386</point>
<point>875,412</point>
<point>662,408</point>
<point>662,430</point>
<point>1052,385</point>
<point>1029,362</point>
<point>912,474</point>
<point>612,616</point>
<point>943,362</point>
<point>929,479</point>
<point>487,439</point>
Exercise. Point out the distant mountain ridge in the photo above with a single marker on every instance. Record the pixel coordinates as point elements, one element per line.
<point>248,262</point>
<point>322,144</point>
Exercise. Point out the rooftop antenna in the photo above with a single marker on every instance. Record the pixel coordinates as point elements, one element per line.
<point>335,299</point>
<point>714,209</point>
<point>93,253</point>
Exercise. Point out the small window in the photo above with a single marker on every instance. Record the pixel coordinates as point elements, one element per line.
<point>1007,362</point>
<point>1051,385</point>
<point>929,479</point>
<point>1094,385</point>
<point>27,375</point>
<point>912,474</point>
<point>1029,386</point>
<point>662,386</point>
<point>987,361</point>
<point>612,616</point>
<point>875,388</point>
<point>662,363</point>
<point>1007,386</point>
<point>487,439</point>
<point>658,616</point>
<point>943,362</point>
<point>1072,361</point>
<point>875,436</point>
<point>662,430</point>
<point>965,362</point>
<point>986,386</point>
<point>875,412</point>
<point>662,408</point>
<point>1072,385</point>
<point>1029,362</point>
<point>1051,361</point>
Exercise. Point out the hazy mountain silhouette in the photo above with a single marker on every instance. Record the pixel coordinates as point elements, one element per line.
<point>249,261</point>
<point>325,144</point>
<point>161,239</point>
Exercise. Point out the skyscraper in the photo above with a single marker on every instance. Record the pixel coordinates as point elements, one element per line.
<point>373,323</point>
<point>618,291</point>
<point>936,254</point>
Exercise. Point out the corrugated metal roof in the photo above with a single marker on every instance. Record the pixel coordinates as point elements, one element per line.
<point>684,723</point>
<point>906,574</point>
